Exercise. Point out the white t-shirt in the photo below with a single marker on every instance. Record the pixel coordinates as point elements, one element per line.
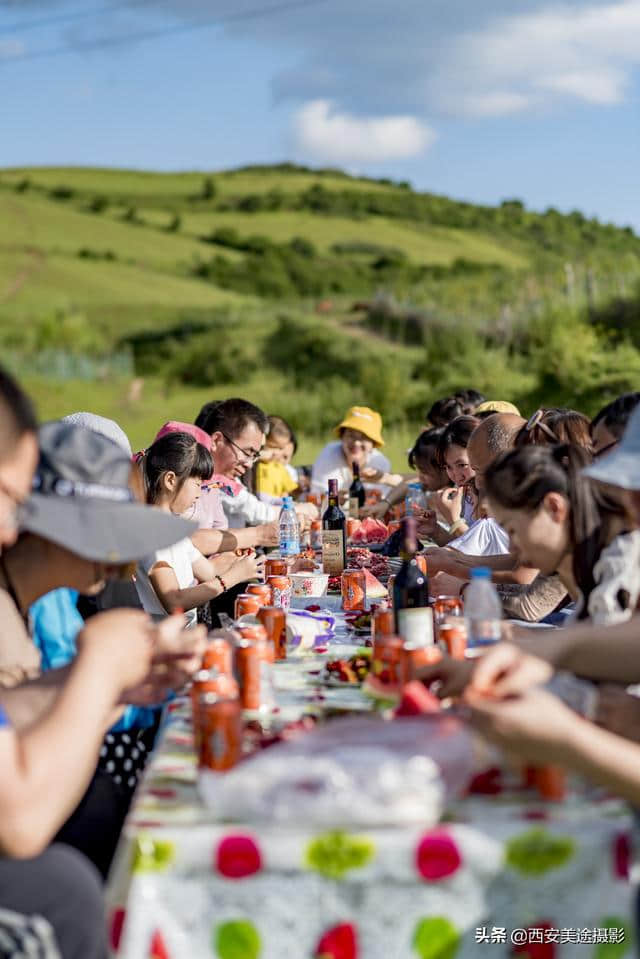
<point>331,464</point>
<point>180,557</point>
<point>485,537</point>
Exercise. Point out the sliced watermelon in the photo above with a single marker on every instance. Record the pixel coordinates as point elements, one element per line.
<point>417,700</point>
<point>375,589</point>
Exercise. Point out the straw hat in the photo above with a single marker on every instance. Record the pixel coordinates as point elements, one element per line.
<point>497,406</point>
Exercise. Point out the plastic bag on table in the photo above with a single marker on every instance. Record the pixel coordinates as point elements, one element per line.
<point>351,772</point>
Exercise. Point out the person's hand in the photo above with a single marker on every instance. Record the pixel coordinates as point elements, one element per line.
<point>222,562</point>
<point>177,655</point>
<point>536,726</point>
<point>371,475</point>
<point>376,510</point>
<point>443,584</point>
<point>309,510</point>
<point>121,643</point>
<point>442,560</point>
<point>246,568</point>
<point>452,676</point>
<point>618,711</point>
<point>505,670</point>
<point>448,502</point>
<point>268,534</point>
<point>427,523</point>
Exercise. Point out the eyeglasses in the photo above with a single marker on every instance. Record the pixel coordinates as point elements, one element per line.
<point>250,455</point>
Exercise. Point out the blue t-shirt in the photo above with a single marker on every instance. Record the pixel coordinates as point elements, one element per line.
<point>55,623</point>
<point>4,719</point>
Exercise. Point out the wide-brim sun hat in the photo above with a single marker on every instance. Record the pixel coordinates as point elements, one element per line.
<point>621,467</point>
<point>364,420</point>
<point>81,500</point>
<point>498,406</point>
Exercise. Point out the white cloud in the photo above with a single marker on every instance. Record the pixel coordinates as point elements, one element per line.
<point>326,134</point>
<point>525,60</point>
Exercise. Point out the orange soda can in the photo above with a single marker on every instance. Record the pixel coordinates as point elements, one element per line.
<point>551,782</point>
<point>418,656</point>
<point>382,624</point>
<point>246,605</point>
<point>275,567</point>
<point>274,621</point>
<point>354,589</point>
<point>389,661</point>
<point>219,732</point>
<point>444,606</point>
<point>352,525</point>
<point>452,637</point>
<point>282,589</point>
<point>263,591</point>
<point>218,655</point>
<point>249,673</point>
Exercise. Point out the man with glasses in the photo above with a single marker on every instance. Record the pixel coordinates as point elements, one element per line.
<point>238,431</point>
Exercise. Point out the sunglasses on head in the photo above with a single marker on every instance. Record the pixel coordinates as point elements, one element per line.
<point>536,420</point>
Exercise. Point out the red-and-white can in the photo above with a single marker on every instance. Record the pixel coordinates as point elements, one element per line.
<point>274,621</point>
<point>246,605</point>
<point>282,589</point>
<point>218,655</point>
<point>275,567</point>
<point>263,591</point>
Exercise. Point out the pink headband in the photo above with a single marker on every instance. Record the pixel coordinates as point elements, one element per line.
<point>174,427</point>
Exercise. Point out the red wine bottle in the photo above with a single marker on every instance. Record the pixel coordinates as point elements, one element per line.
<point>413,614</point>
<point>334,534</point>
<point>357,494</point>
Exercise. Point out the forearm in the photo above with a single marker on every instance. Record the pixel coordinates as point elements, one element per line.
<point>603,757</point>
<point>189,598</point>
<point>26,703</point>
<point>610,653</point>
<point>56,757</point>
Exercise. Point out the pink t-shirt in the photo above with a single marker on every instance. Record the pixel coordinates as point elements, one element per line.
<point>208,511</point>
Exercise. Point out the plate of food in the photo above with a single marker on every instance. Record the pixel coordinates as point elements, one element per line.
<point>351,671</point>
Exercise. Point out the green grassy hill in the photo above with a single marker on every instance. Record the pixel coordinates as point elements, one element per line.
<point>183,278</point>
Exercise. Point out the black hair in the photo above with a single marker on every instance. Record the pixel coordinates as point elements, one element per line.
<point>425,448</point>
<point>231,417</point>
<point>616,415</point>
<point>179,453</point>
<point>469,399</point>
<point>17,415</point>
<point>279,427</point>
<point>444,411</point>
<point>457,433</point>
<point>521,478</point>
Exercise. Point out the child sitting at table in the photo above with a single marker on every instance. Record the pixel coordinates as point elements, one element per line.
<point>275,477</point>
<point>180,577</point>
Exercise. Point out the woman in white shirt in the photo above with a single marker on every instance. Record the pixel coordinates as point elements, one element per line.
<point>360,441</point>
<point>179,577</point>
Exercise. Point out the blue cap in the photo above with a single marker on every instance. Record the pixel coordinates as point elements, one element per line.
<point>481,572</point>
<point>287,502</point>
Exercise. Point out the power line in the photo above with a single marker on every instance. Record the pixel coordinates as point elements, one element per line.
<point>24,25</point>
<point>142,36</point>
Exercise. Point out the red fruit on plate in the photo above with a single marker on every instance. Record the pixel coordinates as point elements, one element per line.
<point>437,855</point>
<point>338,943</point>
<point>417,700</point>
<point>158,949</point>
<point>487,783</point>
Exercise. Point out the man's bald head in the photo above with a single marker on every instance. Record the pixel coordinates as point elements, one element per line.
<point>493,436</point>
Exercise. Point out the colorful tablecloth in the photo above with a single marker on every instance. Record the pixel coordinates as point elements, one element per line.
<point>503,874</point>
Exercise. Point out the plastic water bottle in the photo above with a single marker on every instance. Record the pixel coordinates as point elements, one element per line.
<point>289,529</point>
<point>482,612</point>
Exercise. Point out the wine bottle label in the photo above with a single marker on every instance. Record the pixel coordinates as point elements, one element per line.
<point>354,507</point>
<point>332,551</point>
<point>416,626</point>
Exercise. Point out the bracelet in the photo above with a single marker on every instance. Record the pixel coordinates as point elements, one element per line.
<point>222,582</point>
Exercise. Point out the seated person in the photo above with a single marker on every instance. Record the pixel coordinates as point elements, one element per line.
<point>273,478</point>
<point>359,441</point>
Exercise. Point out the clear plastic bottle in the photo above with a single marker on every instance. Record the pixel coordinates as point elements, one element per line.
<point>482,612</point>
<point>289,529</point>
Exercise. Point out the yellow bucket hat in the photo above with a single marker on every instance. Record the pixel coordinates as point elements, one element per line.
<point>364,420</point>
<point>497,406</point>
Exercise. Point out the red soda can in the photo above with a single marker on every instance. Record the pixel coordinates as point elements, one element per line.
<point>382,624</point>
<point>249,673</point>
<point>274,621</point>
<point>354,589</point>
<point>246,605</point>
<point>452,637</point>
<point>282,589</point>
<point>263,591</point>
<point>275,567</point>
<point>218,655</point>
<point>219,732</point>
<point>389,660</point>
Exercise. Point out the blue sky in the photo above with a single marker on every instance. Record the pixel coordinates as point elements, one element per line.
<point>478,99</point>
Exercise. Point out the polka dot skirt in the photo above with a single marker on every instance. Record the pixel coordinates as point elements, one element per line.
<point>123,757</point>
